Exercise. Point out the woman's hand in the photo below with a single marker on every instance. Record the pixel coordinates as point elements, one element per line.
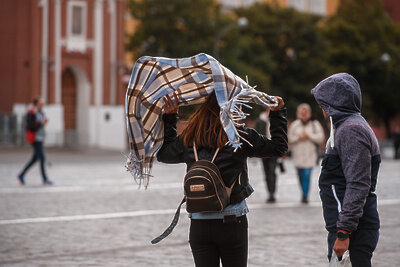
<point>303,136</point>
<point>170,107</point>
<point>281,104</point>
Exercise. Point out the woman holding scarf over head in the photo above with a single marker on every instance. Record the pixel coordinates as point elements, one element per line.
<point>157,87</point>
<point>212,237</point>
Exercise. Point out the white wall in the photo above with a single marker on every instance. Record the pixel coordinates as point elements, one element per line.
<point>103,133</point>
<point>55,126</point>
<point>20,110</point>
<point>108,134</point>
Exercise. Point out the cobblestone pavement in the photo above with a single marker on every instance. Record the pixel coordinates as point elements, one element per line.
<point>95,215</point>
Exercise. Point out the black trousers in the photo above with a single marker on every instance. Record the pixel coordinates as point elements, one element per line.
<point>362,244</point>
<point>38,154</point>
<point>213,241</point>
<point>270,174</point>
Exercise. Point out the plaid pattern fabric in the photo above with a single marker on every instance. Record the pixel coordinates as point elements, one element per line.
<point>192,79</point>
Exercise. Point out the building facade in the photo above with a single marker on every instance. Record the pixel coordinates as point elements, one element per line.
<point>319,7</point>
<point>69,52</point>
<point>392,8</point>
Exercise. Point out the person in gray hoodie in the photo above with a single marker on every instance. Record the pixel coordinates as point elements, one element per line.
<point>349,171</point>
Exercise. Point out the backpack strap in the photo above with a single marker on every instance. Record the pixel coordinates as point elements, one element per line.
<point>171,226</point>
<point>196,156</point>
<point>215,155</point>
<point>195,151</point>
<point>229,189</point>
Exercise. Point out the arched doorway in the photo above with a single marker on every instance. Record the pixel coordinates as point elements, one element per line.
<point>75,100</point>
<point>69,99</point>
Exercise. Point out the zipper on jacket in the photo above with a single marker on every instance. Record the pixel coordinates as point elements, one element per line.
<point>337,199</point>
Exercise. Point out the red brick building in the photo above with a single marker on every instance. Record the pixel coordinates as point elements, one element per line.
<point>392,8</point>
<point>70,52</point>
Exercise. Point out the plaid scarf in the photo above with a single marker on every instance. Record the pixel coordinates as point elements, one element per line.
<point>192,79</point>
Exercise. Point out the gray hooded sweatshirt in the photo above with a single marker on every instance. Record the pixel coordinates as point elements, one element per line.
<point>349,169</point>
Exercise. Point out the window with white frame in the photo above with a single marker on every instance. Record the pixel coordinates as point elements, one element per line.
<point>318,7</point>
<point>237,3</point>
<point>297,4</point>
<point>76,25</point>
<point>311,6</point>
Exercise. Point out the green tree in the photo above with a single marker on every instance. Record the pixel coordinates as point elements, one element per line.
<point>282,50</point>
<point>174,28</point>
<point>365,42</point>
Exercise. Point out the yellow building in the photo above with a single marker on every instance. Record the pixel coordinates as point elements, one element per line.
<point>320,7</point>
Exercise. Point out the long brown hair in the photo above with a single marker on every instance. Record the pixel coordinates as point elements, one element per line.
<point>204,126</point>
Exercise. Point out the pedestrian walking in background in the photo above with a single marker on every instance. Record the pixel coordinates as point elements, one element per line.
<point>349,171</point>
<point>220,236</point>
<point>305,136</point>
<point>269,164</point>
<point>396,141</point>
<point>35,135</point>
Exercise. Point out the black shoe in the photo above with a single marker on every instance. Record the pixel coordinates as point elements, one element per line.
<point>21,180</point>
<point>304,200</point>
<point>271,199</point>
<point>47,182</point>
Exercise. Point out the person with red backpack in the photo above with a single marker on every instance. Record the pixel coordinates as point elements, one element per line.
<point>35,135</point>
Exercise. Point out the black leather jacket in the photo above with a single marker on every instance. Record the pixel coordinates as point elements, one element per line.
<point>230,163</point>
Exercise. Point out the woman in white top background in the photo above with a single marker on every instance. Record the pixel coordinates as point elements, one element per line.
<point>305,136</point>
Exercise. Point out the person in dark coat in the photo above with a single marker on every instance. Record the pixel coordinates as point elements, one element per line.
<point>396,138</point>
<point>269,164</point>
<point>349,171</point>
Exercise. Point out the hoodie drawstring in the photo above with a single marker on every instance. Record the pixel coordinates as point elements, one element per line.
<point>331,139</point>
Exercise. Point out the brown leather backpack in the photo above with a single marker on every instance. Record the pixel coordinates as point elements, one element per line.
<point>205,191</point>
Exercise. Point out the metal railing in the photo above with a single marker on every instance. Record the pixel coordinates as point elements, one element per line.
<point>12,133</point>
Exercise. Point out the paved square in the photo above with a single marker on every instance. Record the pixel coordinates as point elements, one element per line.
<point>95,215</point>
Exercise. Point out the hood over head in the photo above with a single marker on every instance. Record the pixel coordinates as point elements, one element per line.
<point>339,95</point>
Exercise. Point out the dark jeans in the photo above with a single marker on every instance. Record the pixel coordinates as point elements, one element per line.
<point>362,244</point>
<point>270,174</point>
<point>38,154</point>
<point>213,240</point>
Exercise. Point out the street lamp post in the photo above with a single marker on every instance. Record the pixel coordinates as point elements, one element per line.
<point>385,57</point>
<point>241,22</point>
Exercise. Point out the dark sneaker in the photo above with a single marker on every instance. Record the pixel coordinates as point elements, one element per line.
<point>271,199</point>
<point>21,180</point>
<point>47,182</point>
<point>304,200</point>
